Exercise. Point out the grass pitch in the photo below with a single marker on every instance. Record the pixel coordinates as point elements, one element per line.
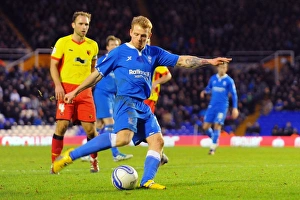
<point>232,173</point>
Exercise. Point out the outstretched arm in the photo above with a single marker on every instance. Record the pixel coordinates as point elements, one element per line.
<point>165,78</point>
<point>90,81</point>
<point>193,61</point>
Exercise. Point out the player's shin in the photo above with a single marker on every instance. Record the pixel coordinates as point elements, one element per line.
<point>99,143</point>
<point>109,129</point>
<point>57,146</point>
<point>215,138</point>
<point>151,165</point>
<point>209,132</point>
<point>94,154</point>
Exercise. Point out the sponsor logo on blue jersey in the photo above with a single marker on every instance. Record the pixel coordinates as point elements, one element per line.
<point>218,89</point>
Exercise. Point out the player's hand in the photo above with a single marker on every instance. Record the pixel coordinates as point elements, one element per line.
<point>202,94</point>
<point>59,93</point>
<point>219,60</point>
<point>235,113</point>
<point>69,97</point>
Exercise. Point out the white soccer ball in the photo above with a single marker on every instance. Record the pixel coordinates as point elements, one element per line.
<point>124,177</point>
<point>86,158</point>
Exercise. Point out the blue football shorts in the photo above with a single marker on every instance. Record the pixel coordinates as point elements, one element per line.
<point>134,114</point>
<point>104,103</point>
<point>215,115</point>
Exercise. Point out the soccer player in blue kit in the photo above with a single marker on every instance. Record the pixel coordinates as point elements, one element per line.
<point>133,64</point>
<point>104,96</point>
<point>219,86</point>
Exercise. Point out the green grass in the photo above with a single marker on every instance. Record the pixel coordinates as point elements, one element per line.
<point>232,173</point>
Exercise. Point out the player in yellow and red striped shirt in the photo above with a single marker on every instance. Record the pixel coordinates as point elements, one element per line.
<point>72,61</point>
<point>161,75</point>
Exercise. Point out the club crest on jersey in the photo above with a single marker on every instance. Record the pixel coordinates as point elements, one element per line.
<point>149,59</point>
<point>130,120</point>
<point>88,52</point>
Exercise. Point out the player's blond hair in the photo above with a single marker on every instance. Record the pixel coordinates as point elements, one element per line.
<point>81,13</point>
<point>144,22</point>
<point>225,64</point>
<point>113,38</point>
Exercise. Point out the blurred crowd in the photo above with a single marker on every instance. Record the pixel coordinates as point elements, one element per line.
<point>9,40</point>
<point>286,130</point>
<point>187,27</point>
<point>180,103</point>
<point>43,22</point>
<point>25,98</point>
<point>215,27</point>
<point>219,27</point>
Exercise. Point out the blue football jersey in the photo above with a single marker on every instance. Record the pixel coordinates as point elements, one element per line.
<point>220,87</point>
<point>134,69</point>
<point>107,83</point>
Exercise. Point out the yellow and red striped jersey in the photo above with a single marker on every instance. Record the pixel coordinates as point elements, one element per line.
<point>75,58</point>
<point>159,72</point>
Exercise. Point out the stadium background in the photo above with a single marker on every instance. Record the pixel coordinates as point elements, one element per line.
<point>262,37</point>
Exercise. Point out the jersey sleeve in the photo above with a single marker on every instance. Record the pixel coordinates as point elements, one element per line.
<point>101,59</point>
<point>58,50</point>
<point>209,86</point>
<point>95,57</point>
<point>108,62</point>
<point>166,58</point>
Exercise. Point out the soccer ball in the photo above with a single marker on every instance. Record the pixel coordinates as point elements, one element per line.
<point>124,177</point>
<point>86,158</point>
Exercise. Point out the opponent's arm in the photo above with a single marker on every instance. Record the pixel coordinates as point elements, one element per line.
<point>94,62</point>
<point>59,91</point>
<point>165,78</point>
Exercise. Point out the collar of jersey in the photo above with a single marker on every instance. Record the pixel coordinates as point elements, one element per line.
<point>132,47</point>
<point>222,76</point>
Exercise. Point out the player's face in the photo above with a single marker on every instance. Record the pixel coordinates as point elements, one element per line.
<point>112,44</point>
<point>139,36</point>
<point>222,69</point>
<point>81,26</point>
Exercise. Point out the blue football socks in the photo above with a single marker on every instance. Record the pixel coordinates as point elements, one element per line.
<point>151,165</point>
<point>110,129</point>
<point>209,132</point>
<point>99,143</point>
<point>215,136</point>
